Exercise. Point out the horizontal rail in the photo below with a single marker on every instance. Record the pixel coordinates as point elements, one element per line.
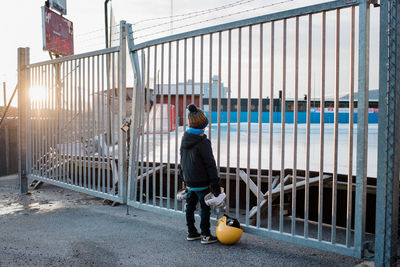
<point>302,11</point>
<point>76,188</point>
<point>287,237</point>
<point>83,55</point>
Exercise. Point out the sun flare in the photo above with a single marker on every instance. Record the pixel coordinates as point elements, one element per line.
<point>37,93</point>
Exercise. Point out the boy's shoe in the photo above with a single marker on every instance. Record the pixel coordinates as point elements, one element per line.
<point>193,236</point>
<point>208,239</point>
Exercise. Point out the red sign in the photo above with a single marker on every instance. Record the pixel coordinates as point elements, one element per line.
<point>58,33</point>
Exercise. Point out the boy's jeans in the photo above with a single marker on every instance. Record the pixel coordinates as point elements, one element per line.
<point>191,202</point>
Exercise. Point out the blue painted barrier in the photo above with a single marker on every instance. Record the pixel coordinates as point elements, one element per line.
<point>289,117</point>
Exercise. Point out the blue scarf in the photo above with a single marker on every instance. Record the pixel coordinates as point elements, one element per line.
<point>195,131</point>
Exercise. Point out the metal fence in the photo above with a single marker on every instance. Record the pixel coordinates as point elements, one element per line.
<point>265,168</point>
<point>285,181</point>
<point>76,107</point>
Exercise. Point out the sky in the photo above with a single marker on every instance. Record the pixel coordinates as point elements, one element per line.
<point>21,26</point>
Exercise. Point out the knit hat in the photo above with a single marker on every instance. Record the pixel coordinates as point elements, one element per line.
<point>197,118</point>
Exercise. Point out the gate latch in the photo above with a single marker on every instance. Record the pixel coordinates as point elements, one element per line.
<point>126,123</point>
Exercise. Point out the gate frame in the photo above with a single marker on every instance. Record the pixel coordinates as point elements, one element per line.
<point>387,189</point>
<point>24,128</point>
<point>362,130</point>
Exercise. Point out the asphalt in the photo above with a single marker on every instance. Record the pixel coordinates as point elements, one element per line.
<point>52,226</point>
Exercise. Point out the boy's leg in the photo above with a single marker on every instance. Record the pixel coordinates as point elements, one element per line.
<point>191,203</point>
<point>204,214</point>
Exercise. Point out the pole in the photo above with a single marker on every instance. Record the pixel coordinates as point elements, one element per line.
<point>106,20</point>
<point>4,93</point>
<point>23,60</point>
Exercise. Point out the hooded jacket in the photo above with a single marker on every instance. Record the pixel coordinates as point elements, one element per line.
<point>198,163</point>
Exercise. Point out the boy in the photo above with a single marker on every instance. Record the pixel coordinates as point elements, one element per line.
<point>199,172</point>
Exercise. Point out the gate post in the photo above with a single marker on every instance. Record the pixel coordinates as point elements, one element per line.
<point>135,118</point>
<point>387,189</point>
<point>23,111</point>
<point>122,113</point>
<point>362,128</point>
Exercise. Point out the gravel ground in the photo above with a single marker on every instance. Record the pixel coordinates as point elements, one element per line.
<point>58,227</point>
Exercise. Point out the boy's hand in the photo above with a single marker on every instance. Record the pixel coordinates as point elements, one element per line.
<point>216,189</point>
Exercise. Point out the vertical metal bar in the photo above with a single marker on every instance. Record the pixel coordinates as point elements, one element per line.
<point>228,142</point>
<point>184,83</point>
<point>307,174</point>
<point>248,125</point>
<point>63,120</point>
<point>109,116</point>
<point>87,128</point>
<point>184,99</point>
<point>351,122</point>
<point>387,205</point>
<point>99,126</point>
<point>296,110</point>
<point>201,70</point>
<point>143,93</point>
<point>93,125</point>
<point>271,127</point>
<point>169,128</point>
<point>176,127</point>
<point>23,90</point>
<point>7,148</point>
<point>48,123</point>
<point>122,166</point>
<point>80,91</point>
<point>259,127</point>
<point>362,128</point>
<point>383,138</point>
<point>322,130</point>
<point>238,104</point>
<point>210,88</point>
<point>335,135</point>
<point>162,128</point>
<point>147,126</point>
<point>51,120</point>
<point>193,64</point>
<point>219,102</point>
<point>83,125</point>
<point>154,125</point>
<point>113,111</point>
<point>283,110</point>
<point>103,131</point>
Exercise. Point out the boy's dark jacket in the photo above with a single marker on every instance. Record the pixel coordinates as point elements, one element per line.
<point>198,163</point>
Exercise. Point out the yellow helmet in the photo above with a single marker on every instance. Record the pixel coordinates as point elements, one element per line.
<point>228,230</point>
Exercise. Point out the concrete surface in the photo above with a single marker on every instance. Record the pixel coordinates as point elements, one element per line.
<point>58,227</point>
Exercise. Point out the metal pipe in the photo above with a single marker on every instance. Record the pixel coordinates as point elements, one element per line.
<point>322,129</point>
<point>210,87</point>
<point>307,174</point>
<point>219,103</point>
<point>271,127</point>
<point>248,126</point>
<point>283,112</point>
<point>154,125</point>
<point>351,132</point>
<point>238,104</point>
<point>162,127</point>
<point>296,110</point>
<point>336,130</point>
<point>259,127</point>
<point>176,127</point>
<point>228,142</point>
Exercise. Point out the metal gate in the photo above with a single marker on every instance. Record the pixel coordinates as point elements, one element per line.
<point>74,112</point>
<point>278,177</point>
<point>285,169</point>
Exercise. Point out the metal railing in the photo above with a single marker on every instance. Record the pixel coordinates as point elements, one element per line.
<point>73,137</point>
<point>268,169</point>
